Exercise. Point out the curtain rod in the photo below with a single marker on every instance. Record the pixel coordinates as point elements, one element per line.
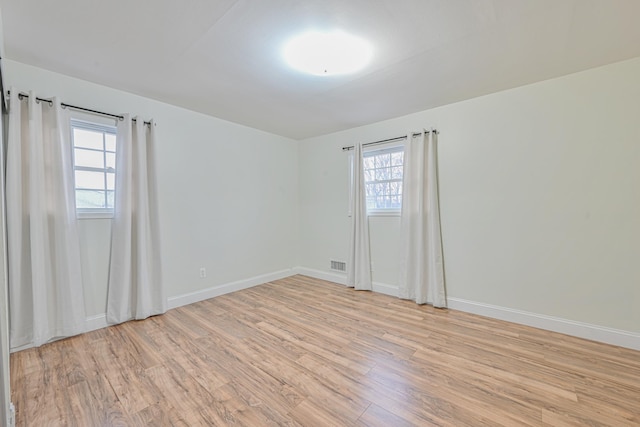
<point>384,141</point>
<point>75,107</point>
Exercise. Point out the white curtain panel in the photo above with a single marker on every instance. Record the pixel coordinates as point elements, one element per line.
<point>135,289</point>
<point>421,263</point>
<point>45,281</point>
<point>359,265</point>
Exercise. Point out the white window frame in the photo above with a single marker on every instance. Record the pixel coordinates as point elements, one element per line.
<point>81,121</point>
<point>381,149</point>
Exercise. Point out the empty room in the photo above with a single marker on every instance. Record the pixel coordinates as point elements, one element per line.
<point>320,213</point>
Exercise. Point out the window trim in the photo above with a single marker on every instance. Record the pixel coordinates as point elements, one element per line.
<point>380,149</point>
<point>81,122</point>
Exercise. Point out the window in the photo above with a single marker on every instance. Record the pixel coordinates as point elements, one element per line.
<point>383,179</point>
<point>94,166</point>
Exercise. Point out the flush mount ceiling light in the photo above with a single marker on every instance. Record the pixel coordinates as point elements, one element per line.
<point>327,54</point>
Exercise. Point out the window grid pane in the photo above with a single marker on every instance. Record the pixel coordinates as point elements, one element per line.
<point>94,166</point>
<point>383,179</point>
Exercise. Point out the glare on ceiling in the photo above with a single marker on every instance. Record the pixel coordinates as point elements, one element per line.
<point>327,53</point>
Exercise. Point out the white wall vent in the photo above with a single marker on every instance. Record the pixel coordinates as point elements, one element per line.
<point>338,266</point>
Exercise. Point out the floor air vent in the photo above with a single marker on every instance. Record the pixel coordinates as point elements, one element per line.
<point>338,266</point>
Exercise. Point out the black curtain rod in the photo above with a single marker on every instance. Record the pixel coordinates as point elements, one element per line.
<point>75,107</point>
<point>384,141</point>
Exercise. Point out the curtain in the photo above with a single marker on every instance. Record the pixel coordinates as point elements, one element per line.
<point>135,289</point>
<point>421,261</point>
<point>359,265</point>
<point>45,282</point>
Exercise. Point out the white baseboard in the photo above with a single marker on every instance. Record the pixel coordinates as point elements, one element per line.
<point>564,326</point>
<point>341,279</point>
<point>99,321</point>
<point>383,288</point>
<point>555,324</point>
<point>92,323</point>
<point>577,329</point>
<point>192,297</point>
<point>96,322</point>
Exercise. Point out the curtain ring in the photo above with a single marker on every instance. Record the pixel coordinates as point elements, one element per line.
<point>50,103</point>
<point>120,118</point>
<point>20,96</point>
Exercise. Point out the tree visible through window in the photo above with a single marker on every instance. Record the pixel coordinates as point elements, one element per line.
<point>94,164</point>
<point>383,179</point>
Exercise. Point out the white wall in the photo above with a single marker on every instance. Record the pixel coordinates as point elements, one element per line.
<point>540,207</point>
<point>227,193</point>
<point>540,198</point>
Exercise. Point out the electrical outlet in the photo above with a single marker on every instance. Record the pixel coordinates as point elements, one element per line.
<point>203,272</point>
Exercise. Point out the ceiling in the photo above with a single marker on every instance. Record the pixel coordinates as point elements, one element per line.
<point>222,57</point>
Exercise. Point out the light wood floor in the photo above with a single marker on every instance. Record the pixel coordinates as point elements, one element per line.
<point>301,351</point>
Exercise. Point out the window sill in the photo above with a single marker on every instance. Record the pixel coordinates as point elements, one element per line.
<point>94,215</point>
<point>384,212</point>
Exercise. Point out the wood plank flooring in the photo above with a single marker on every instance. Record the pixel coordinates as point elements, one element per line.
<point>304,352</point>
